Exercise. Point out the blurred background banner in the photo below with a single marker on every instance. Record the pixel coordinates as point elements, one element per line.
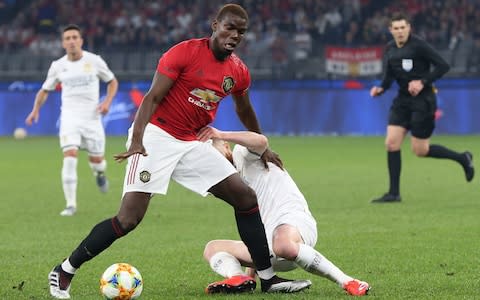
<point>354,61</point>
<point>316,107</point>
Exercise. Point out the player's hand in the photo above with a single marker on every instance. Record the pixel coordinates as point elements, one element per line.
<point>270,156</point>
<point>32,118</point>
<point>103,108</point>
<point>376,91</point>
<point>415,87</point>
<point>134,149</point>
<point>207,133</point>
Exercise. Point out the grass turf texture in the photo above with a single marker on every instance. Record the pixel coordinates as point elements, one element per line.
<point>426,247</point>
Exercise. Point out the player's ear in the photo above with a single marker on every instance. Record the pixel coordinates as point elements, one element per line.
<point>214,25</point>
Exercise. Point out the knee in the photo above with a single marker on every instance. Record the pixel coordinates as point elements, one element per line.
<point>128,222</point>
<point>392,145</point>
<point>420,151</point>
<point>72,152</point>
<point>285,249</point>
<point>210,250</point>
<point>246,200</point>
<point>96,159</point>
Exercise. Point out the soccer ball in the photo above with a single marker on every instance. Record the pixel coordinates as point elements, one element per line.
<point>121,281</point>
<point>19,133</point>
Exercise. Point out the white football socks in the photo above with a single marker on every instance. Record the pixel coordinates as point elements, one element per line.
<point>69,180</point>
<point>309,259</point>
<point>98,167</point>
<point>312,261</point>
<point>266,274</point>
<point>225,264</point>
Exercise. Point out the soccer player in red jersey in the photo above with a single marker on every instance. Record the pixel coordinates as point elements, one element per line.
<point>191,79</point>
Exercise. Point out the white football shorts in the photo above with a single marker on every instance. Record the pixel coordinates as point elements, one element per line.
<point>196,165</point>
<point>83,134</point>
<point>306,225</point>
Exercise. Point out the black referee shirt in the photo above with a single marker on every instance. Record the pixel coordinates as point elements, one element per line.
<point>412,61</point>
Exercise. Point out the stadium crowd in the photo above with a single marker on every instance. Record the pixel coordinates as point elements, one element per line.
<point>289,29</point>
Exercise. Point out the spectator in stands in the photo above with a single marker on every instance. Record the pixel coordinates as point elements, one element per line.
<point>46,17</point>
<point>474,57</point>
<point>124,25</point>
<point>279,57</point>
<point>47,45</point>
<point>302,44</point>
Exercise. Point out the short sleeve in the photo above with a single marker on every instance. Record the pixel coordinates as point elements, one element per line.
<point>173,61</point>
<point>52,80</point>
<point>243,84</point>
<point>241,154</point>
<point>104,73</point>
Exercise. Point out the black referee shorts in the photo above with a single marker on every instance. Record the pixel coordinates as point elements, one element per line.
<point>416,114</point>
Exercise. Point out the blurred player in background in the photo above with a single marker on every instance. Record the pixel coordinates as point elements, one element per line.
<point>290,227</point>
<point>191,79</point>
<point>81,126</point>
<point>408,61</point>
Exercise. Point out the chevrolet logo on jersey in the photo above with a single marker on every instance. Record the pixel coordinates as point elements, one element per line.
<point>227,84</point>
<point>206,95</point>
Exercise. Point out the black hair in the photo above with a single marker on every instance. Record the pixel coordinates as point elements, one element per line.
<point>72,27</point>
<point>231,8</point>
<point>399,16</point>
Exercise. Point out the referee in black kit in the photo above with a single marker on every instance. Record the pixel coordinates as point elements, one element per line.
<point>408,61</point>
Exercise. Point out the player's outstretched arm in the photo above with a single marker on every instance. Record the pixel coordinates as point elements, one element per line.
<point>376,91</point>
<point>34,115</point>
<point>161,84</point>
<point>245,112</point>
<point>247,115</point>
<point>112,88</point>
<point>254,142</point>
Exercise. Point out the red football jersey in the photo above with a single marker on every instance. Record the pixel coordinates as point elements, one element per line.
<point>201,81</point>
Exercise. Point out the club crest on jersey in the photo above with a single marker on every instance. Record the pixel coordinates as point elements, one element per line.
<point>145,176</point>
<point>227,84</point>
<point>87,67</point>
<point>407,64</point>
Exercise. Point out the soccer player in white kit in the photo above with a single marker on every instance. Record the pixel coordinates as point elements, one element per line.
<point>79,73</point>
<point>290,227</point>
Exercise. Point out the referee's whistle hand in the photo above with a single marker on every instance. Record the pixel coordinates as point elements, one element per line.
<point>376,91</point>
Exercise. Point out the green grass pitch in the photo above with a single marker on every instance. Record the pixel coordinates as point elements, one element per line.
<point>427,247</point>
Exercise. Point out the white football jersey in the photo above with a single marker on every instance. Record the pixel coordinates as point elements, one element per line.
<point>277,193</point>
<point>80,84</point>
